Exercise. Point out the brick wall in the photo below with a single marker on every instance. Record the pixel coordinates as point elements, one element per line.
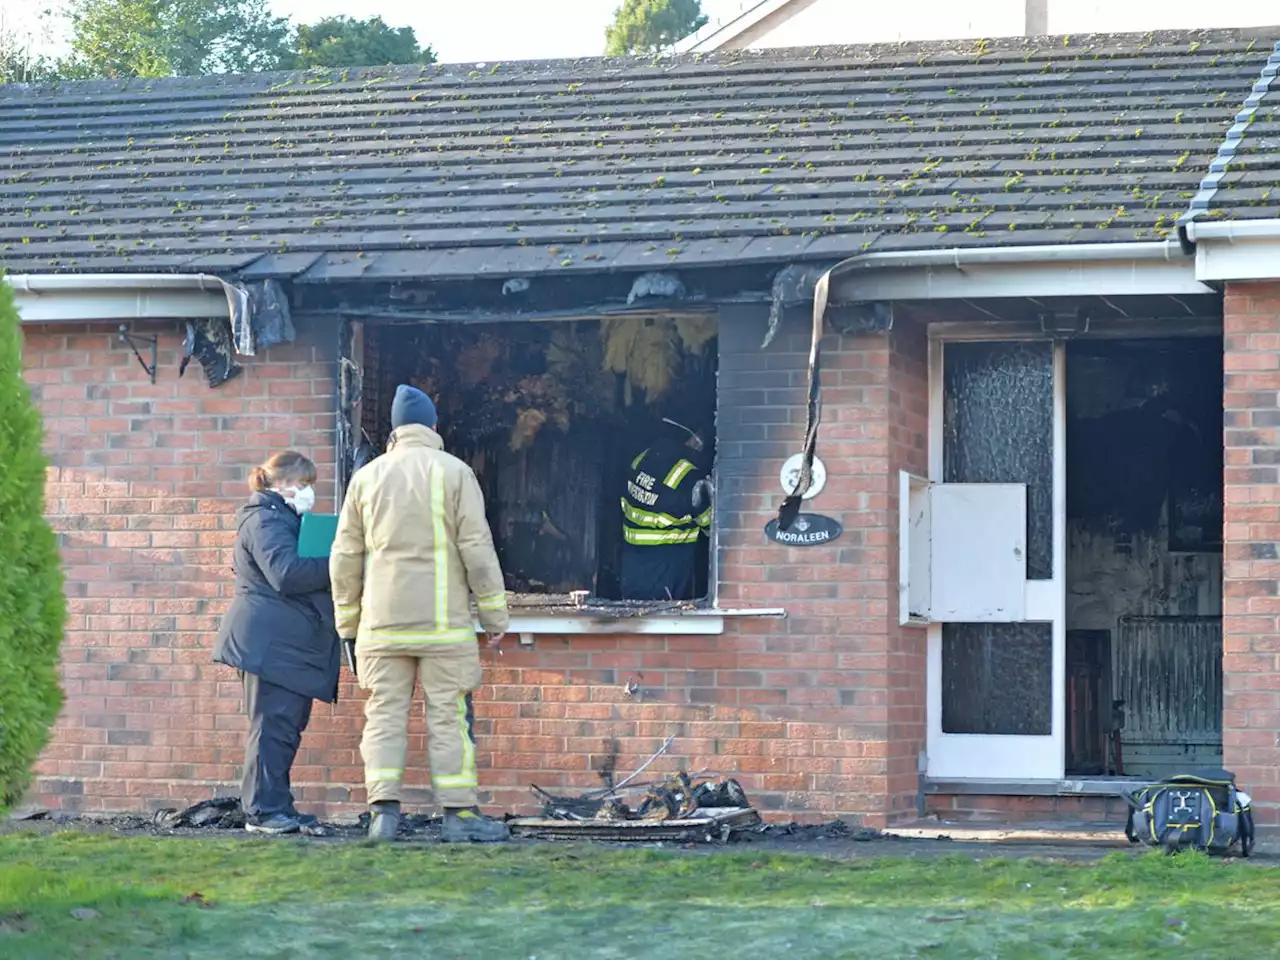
<point>820,714</point>
<point>1251,538</point>
<point>143,484</point>
<point>839,664</point>
<point>908,450</point>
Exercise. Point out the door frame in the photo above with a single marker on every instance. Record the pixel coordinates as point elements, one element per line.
<point>994,757</point>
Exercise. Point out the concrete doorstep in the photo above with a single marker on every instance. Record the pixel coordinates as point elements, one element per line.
<point>1047,834</point>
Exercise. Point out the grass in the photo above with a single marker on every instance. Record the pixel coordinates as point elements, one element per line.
<point>243,898</point>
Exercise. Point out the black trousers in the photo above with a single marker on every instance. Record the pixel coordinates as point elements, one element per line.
<point>663,572</point>
<point>277,718</point>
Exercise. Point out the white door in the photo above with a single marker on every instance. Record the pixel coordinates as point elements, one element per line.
<point>982,544</point>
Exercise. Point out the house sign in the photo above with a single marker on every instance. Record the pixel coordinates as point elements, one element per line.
<point>807,530</point>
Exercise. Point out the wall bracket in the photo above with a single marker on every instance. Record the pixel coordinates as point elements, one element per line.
<point>153,342</point>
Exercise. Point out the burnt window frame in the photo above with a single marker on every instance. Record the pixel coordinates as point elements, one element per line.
<point>352,378</point>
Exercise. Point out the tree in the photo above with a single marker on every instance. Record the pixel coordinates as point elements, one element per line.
<point>649,26</point>
<point>32,608</point>
<point>347,42</point>
<point>19,63</point>
<point>157,38</point>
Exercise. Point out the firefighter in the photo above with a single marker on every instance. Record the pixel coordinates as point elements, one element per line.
<point>411,548</point>
<point>666,509</point>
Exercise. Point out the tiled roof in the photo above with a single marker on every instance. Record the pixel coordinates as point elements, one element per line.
<point>520,168</point>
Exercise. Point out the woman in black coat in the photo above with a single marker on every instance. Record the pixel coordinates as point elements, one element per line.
<point>279,633</point>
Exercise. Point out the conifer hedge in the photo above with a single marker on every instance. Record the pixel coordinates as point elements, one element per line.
<point>32,605</point>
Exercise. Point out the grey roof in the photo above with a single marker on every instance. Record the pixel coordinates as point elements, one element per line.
<point>520,168</point>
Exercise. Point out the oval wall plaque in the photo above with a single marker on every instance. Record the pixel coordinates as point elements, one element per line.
<point>807,530</point>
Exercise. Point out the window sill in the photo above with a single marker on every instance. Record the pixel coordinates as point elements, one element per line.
<point>708,622</point>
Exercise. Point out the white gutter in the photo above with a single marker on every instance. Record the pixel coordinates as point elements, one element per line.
<point>1168,250</point>
<point>1084,269</point>
<point>92,297</point>
<point>1235,249</point>
<point>1233,230</point>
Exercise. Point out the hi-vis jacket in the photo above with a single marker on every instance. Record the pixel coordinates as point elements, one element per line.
<point>657,505</point>
<point>412,546</point>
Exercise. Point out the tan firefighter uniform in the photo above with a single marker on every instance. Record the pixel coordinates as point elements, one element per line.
<point>412,545</point>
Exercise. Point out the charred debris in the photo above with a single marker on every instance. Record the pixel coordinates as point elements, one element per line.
<point>683,806</point>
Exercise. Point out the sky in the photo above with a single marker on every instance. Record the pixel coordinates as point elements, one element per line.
<point>461,32</point>
<point>481,30</point>
<point>474,31</point>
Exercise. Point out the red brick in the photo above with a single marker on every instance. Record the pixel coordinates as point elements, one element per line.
<point>1251,668</point>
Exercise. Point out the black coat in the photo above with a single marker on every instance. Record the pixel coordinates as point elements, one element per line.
<point>280,625</point>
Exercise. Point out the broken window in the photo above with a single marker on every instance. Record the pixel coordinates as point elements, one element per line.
<point>998,427</point>
<point>550,416</point>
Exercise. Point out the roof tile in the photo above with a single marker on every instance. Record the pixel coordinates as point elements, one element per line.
<point>534,167</point>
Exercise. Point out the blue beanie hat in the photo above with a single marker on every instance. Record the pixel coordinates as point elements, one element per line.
<point>411,405</point>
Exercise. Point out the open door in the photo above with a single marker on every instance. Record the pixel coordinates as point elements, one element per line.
<point>981,561</point>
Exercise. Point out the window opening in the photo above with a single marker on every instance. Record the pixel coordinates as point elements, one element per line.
<point>551,416</point>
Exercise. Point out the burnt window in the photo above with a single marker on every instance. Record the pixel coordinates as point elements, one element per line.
<point>550,416</point>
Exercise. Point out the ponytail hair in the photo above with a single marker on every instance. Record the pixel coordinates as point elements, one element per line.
<point>280,470</point>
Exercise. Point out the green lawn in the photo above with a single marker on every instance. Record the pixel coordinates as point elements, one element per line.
<point>243,898</point>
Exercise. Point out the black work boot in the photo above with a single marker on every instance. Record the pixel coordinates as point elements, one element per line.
<point>384,820</point>
<point>468,825</point>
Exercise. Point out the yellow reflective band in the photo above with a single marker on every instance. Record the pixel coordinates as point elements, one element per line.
<point>646,518</point>
<point>344,608</point>
<point>635,464</point>
<point>383,775</point>
<point>460,635</point>
<point>659,537</point>
<point>450,782</point>
<point>440,549</point>
<point>704,520</point>
<point>467,777</point>
<point>497,602</point>
<point>678,473</point>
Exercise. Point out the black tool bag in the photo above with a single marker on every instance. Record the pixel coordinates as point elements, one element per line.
<point>1202,811</point>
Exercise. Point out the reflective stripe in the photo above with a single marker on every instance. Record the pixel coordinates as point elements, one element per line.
<point>460,635</point>
<point>704,520</point>
<point>659,537</point>
<point>497,602</point>
<point>441,551</point>
<point>678,473</point>
<point>467,778</point>
<point>382,775</point>
<point>635,464</point>
<point>452,782</point>
<point>646,518</point>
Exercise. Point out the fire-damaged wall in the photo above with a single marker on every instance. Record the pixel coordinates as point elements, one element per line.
<point>817,715</point>
<point>1144,560</point>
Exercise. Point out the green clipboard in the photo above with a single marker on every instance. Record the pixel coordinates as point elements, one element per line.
<point>315,539</point>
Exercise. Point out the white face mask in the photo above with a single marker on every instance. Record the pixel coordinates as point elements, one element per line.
<point>302,499</point>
